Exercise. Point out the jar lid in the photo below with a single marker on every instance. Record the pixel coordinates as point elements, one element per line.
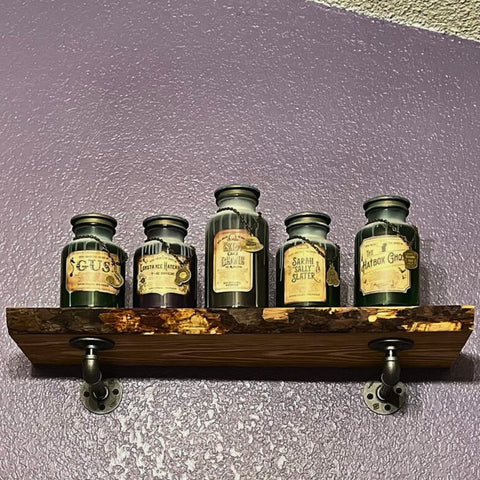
<point>93,219</point>
<point>237,190</point>
<point>166,221</point>
<point>308,218</point>
<point>386,201</point>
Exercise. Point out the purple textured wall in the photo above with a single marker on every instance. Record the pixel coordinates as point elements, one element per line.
<point>139,107</point>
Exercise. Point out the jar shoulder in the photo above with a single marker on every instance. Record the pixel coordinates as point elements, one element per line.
<point>224,220</point>
<point>292,242</point>
<point>382,228</point>
<point>90,244</point>
<point>154,247</point>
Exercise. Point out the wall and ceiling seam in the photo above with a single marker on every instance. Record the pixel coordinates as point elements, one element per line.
<point>453,17</point>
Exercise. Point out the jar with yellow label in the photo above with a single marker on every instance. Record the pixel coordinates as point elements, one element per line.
<point>236,262</point>
<point>308,265</point>
<point>387,255</point>
<point>93,267</point>
<point>165,268</point>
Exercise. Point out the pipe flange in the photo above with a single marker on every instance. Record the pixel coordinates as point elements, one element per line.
<point>378,405</point>
<point>107,405</point>
<point>96,343</point>
<point>384,344</point>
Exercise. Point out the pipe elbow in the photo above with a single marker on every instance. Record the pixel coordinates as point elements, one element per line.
<point>391,372</point>
<point>91,369</point>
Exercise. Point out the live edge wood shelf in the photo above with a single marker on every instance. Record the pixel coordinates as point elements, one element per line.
<point>269,337</point>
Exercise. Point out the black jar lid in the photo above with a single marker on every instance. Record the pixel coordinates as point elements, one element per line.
<point>237,190</point>
<point>308,218</point>
<point>166,221</point>
<point>386,201</point>
<point>93,219</point>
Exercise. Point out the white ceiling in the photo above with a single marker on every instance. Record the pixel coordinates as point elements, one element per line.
<point>454,17</point>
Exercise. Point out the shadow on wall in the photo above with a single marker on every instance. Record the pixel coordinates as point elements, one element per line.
<point>347,279</point>
<point>462,371</point>
<point>432,276</point>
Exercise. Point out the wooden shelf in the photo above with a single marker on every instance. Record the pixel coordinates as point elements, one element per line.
<point>270,337</point>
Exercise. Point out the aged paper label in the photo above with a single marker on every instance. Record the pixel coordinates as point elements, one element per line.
<point>92,271</point>
<point>304,271</point>
<point>382,266</point>
<point>232,266</point>
<point>157,274</point>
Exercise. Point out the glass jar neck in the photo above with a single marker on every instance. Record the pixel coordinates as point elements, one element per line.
<point>312,232</point>
<point>391,213</point>
<point>102,232</point>
<point>239,203</point>
<point>169,234</point>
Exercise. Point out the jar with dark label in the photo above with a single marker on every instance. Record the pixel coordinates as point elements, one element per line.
<point>308,265</point>
<point>165,268</point>
<point>236,263</point>
<point>93,267</point>
<point>387,255</point>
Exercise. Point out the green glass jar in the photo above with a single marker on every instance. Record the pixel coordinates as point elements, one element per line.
<point>93,267</point>
<point>165,268</point>
<point>308,265</point>
<point>236,261</point>
<point>387,252</point>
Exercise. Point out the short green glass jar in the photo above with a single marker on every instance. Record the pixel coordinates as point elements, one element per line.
<point>387,255</point>
<point>308,264</point>
<point>93,267</point>
<point>165,268</point>
<point>236,260</point>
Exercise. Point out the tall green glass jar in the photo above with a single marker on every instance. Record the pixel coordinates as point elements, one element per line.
<point>93,267</point>
<point>308,265</point>
<point>165,268</point>
<point>387,255</point>
<point>236,261</point>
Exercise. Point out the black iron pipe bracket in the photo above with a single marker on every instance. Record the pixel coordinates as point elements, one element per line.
<point>98,395</point>
<point>388,395</point>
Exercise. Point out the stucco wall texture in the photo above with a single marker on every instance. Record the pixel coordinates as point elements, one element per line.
<point>133,108</point>
<point>454,17</point>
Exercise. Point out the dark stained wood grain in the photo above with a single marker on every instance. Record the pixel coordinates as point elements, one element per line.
<point>301,337</point>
